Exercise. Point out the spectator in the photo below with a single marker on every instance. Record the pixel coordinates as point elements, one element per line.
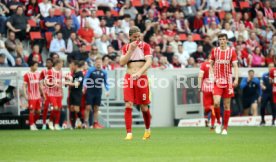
<point>86,34</point>
<point>155,63</point>
<point>57,30</point>
<point>149,32</point>
<point>175,42</point>
<point>119,28</point>
<point>67,29</point>
<point>207,45</point>
<point>52,20</point>
<point>189,10</point>
<point>251,92</point>
<point>216,5</point>
<point>69,15</point>
<point>260,21</point>
<point>44,8</point>
<point>182,25</point>
<point>268,12</point>
<point>119,42</point>
<point>247,22</point>
<point>182,55</point>
<point>198,25</point>
<point>2,61</point>
<point>106,61</point>
<point>227,6</point>
<point>105,30</point>
<point>125,24</point>
<point>12,44</point>
<point>36,54</point>
<point>84,4</point>
<point>211,18</point>
<point>110,19</point>
<point>94,22</point>
<point>258,59</point>
<point>92,56</point>
<point>140,22</point>
<point>242,32</point>
<point>112,54</point>
<point>19,63</point>
<point>164,21</point>
<point>18,23</point>
<point>164,63</point>
<point>230,34</point>
<point>169,53</point>
<point>72,5</point>
<point>270,58</point>
<point>54,56</point>
<point>192,63</point>
<point>82,18</point>
<point>267,34</point>
<point>72,49</point>
<point>84,54</point>
<point>213,32</point>
<point>3,18</point>
<point>170,32</point>
<point>106,3</point>
<point>157,52</point>
<point>273,43</point>
<point>245,60</point>
<point>115,64</point>
<point>176,63</point>
<point>252,42</point>
<point>32,10</point>
<point>128,9</point>
<point>255,9</point>
<point>13,5</point>
<point>202,5</point>
<point>190,45</point>
<point>199,56</point>
<point>102,44</point>
<point>58,46</point>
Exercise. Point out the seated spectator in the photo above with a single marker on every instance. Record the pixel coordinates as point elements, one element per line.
<point>213,32</point>
<point>13,5</point>
<point>92,56</point>
<point>12,44</point>
<point>242,32</point>
<point>245,59</point>
<point>9,59</point>
<point>164,21</point>
<point>19,63</point>
<point>260,21</point>
<point>174,42</point>
<point>54,56</point>
<point>270,58</point>
<point>32,10</point>
<point>72,5</point>
<point>119,42</point>
<point>168,53</point>
<point>106,3</point>
<point>84,54</point>
<point>36,54</point>
<point>115,64</point>
<point>183,55</point>
<point>190,45</point>
<point>252,42</point>
<point>267,34</point>
<point>251,92</point>
<point>170,32</point>
<point>176,63</point>
<point>191,63</point>
<point>149,32</point>
<point>112,54</point>
<point>198,25</point>
<point>82,18</point>
<point>18,23</point>
<point>189,10</point>
<point>44,8</point>
<point>247,22</point>
<point>2,61</point>
<point>207,45</point>
<point>58,46</point>
<point>157,52</point>
<point>118,27</point>
<point>182,25</point>
<point>211,18</point>
<point>67,29</point>
<point>105,30</point>
<point>201,5</point>
<point>258,60</point>
<point>216,5</point>
<point>268,12</point>
<point>125,24</point>
<point>69,15</point>
<point>84,4</point>
<point>128,9</point>
<point>273,43</point>
<point>199,56</point>
<point>102,44</point>
<point>94,22</point>
<point>227,6</point>
<point>230,34</point>
<point>106,61</point>
<point>155,63</point>
<point>3,18</point>
<point>110,20</point>
<point>52,20</point>
<point>236,25</point>
<point>255,9</point>
<point>164,63</point>
<point>72,49</point>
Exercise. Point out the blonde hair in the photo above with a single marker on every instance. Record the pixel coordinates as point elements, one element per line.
<point>133,30</point>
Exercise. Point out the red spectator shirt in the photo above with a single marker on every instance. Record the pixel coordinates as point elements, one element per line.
<point>86,34</point>
<point>223,60</point>
<point>170,33</point>
<point>142,50</point>
<point>207,85</point>
<point>54,78</point>
<point>32,81</point>
<point>269,60</point>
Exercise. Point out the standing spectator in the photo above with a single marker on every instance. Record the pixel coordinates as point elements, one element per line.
<point>67,29</point>
<point>251,92</point>
<point>102,44</point>
<point>86,34</point>
<point>267,96</point>
<point>258,59</point>
<point>58,46</point>
<point>44,8</point>
<point>128,9</point>
<point>199,56</point>
<point>190,45</point>
<point>52,20</point>
<point>18,23</point>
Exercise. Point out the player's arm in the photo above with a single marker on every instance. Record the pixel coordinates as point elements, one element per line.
<point>126,53</point>
<point>25,87</point>
<point>200,76</point>
<point>86,77</point>
<point>236,71</point>
<point>243,83</point>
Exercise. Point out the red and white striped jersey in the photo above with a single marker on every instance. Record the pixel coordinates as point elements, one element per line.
<point>32,81</point>
<point>54,78</point>
<point>142,50</point>
<point>42,77</point>
<point>223,60</point>
<point>272,76</point>
<point>207,85</point>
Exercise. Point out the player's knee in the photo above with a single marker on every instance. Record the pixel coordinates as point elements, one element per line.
<point>144,108</point>
<point>129,104</point>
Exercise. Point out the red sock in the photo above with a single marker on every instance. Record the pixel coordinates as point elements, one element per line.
<point>45,111</point>
<point>57,116</point>
<point>227,114</point>
<point>31,118</point>
<point>217,113</point>
<point>36,117</point>
<point>213,118</point>
<point>128,119</point>
<point>147,117</point>
<point>52,115</point>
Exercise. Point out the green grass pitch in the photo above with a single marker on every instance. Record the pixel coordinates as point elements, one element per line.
<point>167,144</point>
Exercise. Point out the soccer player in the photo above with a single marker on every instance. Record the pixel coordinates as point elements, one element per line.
<point>32,94</point>
<point>267,95</point>
<point>206,86</point>
<point>54,82</point>
<point>93,81</point>
<point>222,60</point>
<point>138,58</point>
<point>272,76</point>
<point>49,65</point>
<point>83,100</point>
<point>75,86</point>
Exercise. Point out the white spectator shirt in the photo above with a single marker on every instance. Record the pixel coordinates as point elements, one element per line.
<point>44,9</point>
<point>190,47</point>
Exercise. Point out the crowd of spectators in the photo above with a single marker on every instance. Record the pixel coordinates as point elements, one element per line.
<point>181,32</point>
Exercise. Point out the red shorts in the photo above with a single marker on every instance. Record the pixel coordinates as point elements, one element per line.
<point>225,91</point>
<point>274,98</point>
<point>34,104</point>
<point>55,101</point>
<point>208,100</point>
<point>136,91</point>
